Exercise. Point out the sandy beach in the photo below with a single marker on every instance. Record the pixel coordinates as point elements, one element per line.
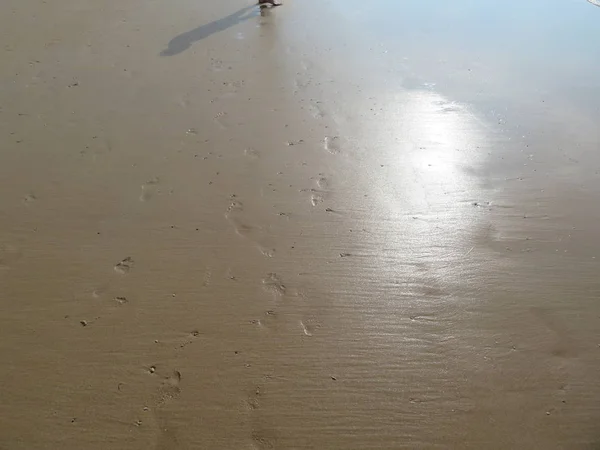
<point>328,225</point>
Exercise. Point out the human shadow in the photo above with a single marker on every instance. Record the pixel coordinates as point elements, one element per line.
<point>185,40</point>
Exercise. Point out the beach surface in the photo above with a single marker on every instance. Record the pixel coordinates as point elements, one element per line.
<point>333,224</point>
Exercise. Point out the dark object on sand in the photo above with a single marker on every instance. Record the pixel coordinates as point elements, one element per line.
<point>269,2</point>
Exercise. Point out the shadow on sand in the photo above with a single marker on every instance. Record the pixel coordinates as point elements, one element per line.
<point>185,40</point>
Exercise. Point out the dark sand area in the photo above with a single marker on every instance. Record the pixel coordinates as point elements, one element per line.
<point>333,224</point>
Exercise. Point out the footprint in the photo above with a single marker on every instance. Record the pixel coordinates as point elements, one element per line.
<point>234,207</point>
<point>224,120</point>
<point>216,65</point>
<point>234,86</point>
<point>29,198</point>
<point>207,277</point>
<point>252,153</point>
<point>120,301</point>
<point>102,293</point>
<point>268,252</point>
<point>306,65</point>
<point>301,83</point>
<point>315,199</point>
<point>316,195</point>
<point>272,283</point>
<point>252,402</point>
<point>262,435</point>
<point>123,267</point>
<point>322,182</point>
<point>149,189</point>
<point>263,439</point>
<point>98,292</point>
<point>332,144</point>
<point>229,90</point>
<point>255,234</point>
<point>169,388</point>
<point>244,230</point>
<point>85,322</point>
<point>309,326</point>
<point>317,111</point>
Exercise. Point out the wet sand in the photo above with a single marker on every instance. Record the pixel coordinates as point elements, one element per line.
<point>332,225</point>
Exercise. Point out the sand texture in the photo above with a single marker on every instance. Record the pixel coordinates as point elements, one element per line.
<point>333,224</point>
